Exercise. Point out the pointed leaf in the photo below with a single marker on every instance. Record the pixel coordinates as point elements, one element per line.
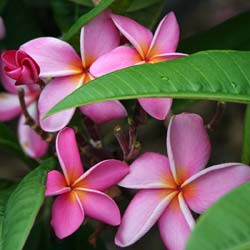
<point>209,75</point>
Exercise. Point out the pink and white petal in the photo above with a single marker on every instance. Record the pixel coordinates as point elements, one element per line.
<point>139,36</point>
<point>56,184</point>
<point>99,206</point>
<point>166,37</point>
<point>103,175</point>
<point>68,155</point>
<point>204,188</point>
<point>188,145</point>
<point>67,215</point>
<point>54,57</point>
<point>101,112</point>
<point>119,58</point>
<point>150,170</point>
<point>158,108</point>
<point>98,37</point>
<point>175,224</point>
<point>142,213</point>
<point>166,57</point>
<point>10,107</point>
<point>32,143</point>
<point>53,93</point>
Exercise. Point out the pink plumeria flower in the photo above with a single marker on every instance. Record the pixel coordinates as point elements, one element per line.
<point>2,29</point>
<point>20,67</point>
<point>59,60</point>
<point>80,193</point>
<point>10,108</point>
<point>170,187</point>
<point>147,49</point>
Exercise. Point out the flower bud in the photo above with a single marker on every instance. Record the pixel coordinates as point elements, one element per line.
<point>21,67</point>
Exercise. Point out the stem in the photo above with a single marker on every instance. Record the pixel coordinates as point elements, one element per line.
<point>122,140</point>
<point>48,137</point>
<point>220,108</point>
<point>93,237</point>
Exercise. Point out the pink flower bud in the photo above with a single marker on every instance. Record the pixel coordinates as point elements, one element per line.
<point>19,66</point>
<point>2,29</point>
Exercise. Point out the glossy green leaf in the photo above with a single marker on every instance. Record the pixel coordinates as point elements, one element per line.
<point>23,206</point>
<point>86,18</point>
<point>245,157</point>
<point>209,75</point>
<point>226,225</point>
<point>232,34</point>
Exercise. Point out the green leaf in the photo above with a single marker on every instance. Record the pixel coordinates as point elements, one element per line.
<point>232,34</point>
<point>245,157</point>
<point>138,4</point>
<point>23,206</point>
<point>210,75</point>
<point>88,3</point>
<point>9,144</point>
<point>86,18</point>
<point>225,225</point>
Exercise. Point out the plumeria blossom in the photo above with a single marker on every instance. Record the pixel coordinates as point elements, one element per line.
<point>147,49</point>
<point>172,186</point>
<point>59,60</point>
<point>81,194</point>
<point>20,67</point>
<point>10,108</point>
<point>2,29</point>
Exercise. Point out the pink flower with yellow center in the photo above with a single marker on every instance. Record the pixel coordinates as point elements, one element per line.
<point>10,108</point>
<point>147,49</point>
<point>81,194</point>
<point>58,59</point>
<point>172,186</point>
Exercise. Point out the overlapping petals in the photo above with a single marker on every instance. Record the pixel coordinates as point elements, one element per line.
<point>147,49</point>
<point>173,186</point>
<point>81,193</point>
<point>59,60</point>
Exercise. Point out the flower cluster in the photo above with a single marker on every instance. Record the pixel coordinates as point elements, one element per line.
<point>169,187</point>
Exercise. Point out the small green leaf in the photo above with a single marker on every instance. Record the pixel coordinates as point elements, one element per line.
<point>208,75</point>
<point>86,18</point>
<point>225,225</point>
<point>245,157</point>
<point>23,206</point>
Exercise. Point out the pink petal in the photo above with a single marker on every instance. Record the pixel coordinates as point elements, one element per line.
<point>56,184</point>
<point>10,106</point>
<point>166,57</point>
<point>103,175</point>
<point>139,36</point>
<point>2,29</point>
<point>207,186</point>
<point>8,83</point>
<point>118,58</point>
<point>99,206</point>
<point>68,155</point>
<point>54,57</point>
<point>175,224</point>
<point>67,215</point>
<point>150,170</point>
<point>101,112</point>
<point>31,142</point>
<point>188,145</point>
<point>53,93</point>
<point>158,108</point>
<point>142,213</point>
<point>166,37</point>
<point>98,37</point>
